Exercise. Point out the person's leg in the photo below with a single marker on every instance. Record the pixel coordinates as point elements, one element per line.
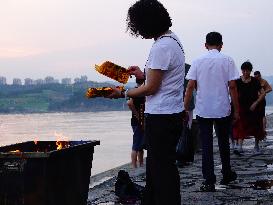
<point>264,127</point>
<point>163,181</point>
<point>134,158</point>
<point>264,122</point>
<point>240,145</point>
<point>206,135</point>
<point>140,157</point>
<point>222,126</point>
<point>257,147</point>
<point>134,147</point>
<point>149,189</point>
<point>231,137</point>
<point>138,144</point>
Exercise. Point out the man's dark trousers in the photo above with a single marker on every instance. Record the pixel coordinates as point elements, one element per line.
<point>222,126</point>
<point>162,178</point>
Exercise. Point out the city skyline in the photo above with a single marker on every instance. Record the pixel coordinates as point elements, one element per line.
<point>67,38</point>
<point>45,80</point>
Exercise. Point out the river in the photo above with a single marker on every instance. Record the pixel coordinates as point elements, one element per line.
<point>111,128</point>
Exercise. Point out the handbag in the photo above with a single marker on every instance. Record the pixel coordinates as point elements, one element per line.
<point>185,146</point>
<point>126,190</point>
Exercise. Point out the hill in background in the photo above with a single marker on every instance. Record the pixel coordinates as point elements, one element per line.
<point>64,98</point>
<point>55,98</point>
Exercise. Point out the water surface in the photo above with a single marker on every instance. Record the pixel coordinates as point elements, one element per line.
<point>111,128</point>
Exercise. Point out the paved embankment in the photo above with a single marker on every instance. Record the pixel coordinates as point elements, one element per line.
<point>253,186</point>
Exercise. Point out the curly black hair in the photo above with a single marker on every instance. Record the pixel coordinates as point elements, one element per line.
<point>148,18</point>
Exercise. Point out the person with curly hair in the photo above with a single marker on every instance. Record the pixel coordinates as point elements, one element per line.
<point>163,88</point>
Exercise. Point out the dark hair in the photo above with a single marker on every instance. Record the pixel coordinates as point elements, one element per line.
<point>214,39</point>
<point>247,66</point>
<point>148,18</point>
<point>257,72</point>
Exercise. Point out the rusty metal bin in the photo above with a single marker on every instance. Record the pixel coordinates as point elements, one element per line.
<point>36,173</point>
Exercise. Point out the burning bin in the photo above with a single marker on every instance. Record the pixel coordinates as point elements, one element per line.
<point>36,173</point>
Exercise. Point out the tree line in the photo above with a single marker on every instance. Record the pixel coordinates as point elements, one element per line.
<point>60,98</point>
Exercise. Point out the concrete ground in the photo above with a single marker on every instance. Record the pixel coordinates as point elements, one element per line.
<point>253,186</point>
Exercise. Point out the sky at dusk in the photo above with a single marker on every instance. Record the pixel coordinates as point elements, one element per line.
<point>65,38</point>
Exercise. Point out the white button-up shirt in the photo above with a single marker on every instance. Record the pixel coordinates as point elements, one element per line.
<point>212,73</point>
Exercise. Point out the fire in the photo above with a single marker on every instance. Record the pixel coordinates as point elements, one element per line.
<point>62,141</point>
<point>15,151</point>
<point>62,144</point>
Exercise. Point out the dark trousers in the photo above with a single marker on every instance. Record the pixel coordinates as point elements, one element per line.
<point>222,126</point>
<point>162,177</point>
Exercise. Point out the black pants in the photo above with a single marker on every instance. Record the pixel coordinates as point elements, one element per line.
<point>222,126</point>
<point>162,177</point>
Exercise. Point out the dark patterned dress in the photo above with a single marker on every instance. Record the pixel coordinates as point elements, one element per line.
<point>250,122</point>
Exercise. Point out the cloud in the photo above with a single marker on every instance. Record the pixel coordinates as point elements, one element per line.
<point>65,37</point>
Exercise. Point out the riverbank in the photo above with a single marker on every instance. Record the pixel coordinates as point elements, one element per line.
<point>253,186</point>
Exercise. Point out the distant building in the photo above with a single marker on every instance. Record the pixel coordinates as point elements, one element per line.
<point>66,81</point>
<point>16,81</point>
<point>3,80</point>
<point>77,80</point>
<point>49,80</point>
<point>83,79</point>
<point>39,82</point>
<point>29,81</point>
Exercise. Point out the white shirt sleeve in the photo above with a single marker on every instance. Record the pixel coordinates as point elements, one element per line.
<point>192,73</point>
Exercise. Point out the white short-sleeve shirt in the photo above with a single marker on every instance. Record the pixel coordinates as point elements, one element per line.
<point>212,73</point>
<point>167,55</point>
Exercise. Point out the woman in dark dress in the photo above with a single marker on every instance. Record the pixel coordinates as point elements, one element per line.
<point>250,95</point>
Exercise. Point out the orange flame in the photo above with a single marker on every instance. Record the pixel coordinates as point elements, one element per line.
<point>15,151</point>
<point>62,144</point>
<point>62,141</point>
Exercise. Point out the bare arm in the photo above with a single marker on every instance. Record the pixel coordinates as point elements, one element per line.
<point>234,98</point>
<point>260,98</point>
<point>132,107</point>
<point>153,83</point>
<point>188,95</point>
<point>267,87</point>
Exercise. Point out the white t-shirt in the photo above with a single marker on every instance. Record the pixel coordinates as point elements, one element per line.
<point>167,55</point>
<point>212,72</point>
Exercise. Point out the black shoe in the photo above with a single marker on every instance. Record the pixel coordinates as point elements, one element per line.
<point>207,187</point>
<point>232,176</point>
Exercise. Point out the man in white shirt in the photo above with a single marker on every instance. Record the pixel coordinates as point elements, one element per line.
<point>213,75</point>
